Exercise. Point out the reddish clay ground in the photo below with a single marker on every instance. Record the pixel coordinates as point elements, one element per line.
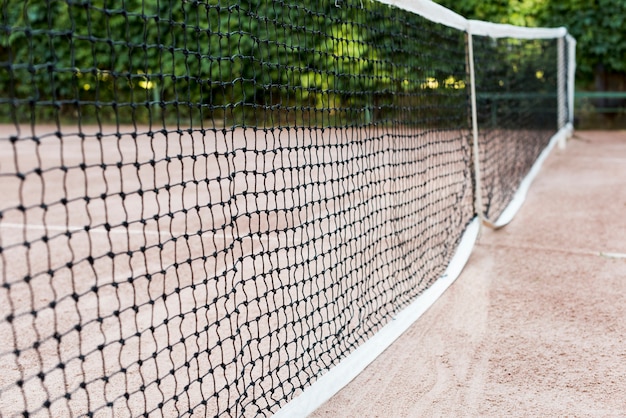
<point>535,324</point>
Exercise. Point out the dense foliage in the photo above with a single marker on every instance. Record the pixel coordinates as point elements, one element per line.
<point>147,59</point>
<point>151,59</point>
<point>599,27</point>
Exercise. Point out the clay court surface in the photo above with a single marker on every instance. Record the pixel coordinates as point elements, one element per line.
<point>139,274</point>
<point>533,327</point>
<point>535,324</point>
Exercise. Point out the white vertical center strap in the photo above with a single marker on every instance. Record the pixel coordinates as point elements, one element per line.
<point>478,201</point>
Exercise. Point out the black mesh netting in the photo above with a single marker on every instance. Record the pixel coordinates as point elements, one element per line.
<point>206,204</point>
<point>516,94</point>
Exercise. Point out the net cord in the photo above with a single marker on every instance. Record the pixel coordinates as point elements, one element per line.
<point>501,30</point>
<point>439,14</point>
<point>431,11</point>
<point>340,375</point>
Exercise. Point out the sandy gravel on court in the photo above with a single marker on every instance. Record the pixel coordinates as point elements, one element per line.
<point>535,324</point>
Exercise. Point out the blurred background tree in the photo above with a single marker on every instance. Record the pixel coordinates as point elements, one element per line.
<point>240,62</point>
<point>145,59</point>
<point>599,27</point>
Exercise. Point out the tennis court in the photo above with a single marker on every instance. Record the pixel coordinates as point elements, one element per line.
<point>215,209</point>
<point>534,326</point>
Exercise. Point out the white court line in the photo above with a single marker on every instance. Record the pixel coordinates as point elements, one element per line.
<point>121,231</point>
<point>70,228</point>
<point>613,255</point>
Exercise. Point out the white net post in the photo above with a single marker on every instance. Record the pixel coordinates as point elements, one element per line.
<point>571,76</point>
<point>561,86</point>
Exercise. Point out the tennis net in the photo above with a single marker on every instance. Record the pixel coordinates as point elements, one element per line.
<point>209,207</point>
